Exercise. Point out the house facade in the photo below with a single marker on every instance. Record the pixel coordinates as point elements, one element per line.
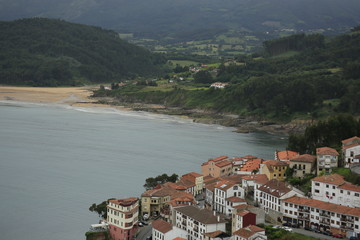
<point>217,167</point>
<point>327,159</point>
<point>274,169</point>
<point>122,216</point>
<point>334,189</point>
<point>303,164</point>
<point>197,222</point>
<point>270,195</point>
<point>198,181</point>
<point>321,215</point>
<point>350,148</point>
<point>162,230</point>
<point>224,190</point>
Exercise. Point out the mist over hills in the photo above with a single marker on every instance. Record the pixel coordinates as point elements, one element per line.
<point>165,16</point>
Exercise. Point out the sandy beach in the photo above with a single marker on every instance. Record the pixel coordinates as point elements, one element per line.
<point>74,96</point>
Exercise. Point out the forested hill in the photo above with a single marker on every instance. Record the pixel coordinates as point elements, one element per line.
<point>175,16</point>
<point>48,52</point>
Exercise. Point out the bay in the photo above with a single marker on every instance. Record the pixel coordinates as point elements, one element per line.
<point>56,160</point>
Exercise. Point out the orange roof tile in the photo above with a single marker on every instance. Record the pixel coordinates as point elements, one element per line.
<point>125,201</point>
<point>223,163</point>
<point>286,155</point>
<point>218,159</point>
<point>304,158</point>
<point>251,165</point>
<point>216,234</point>
<point>334,179</point>
<point>258,178</point>
<point>326,151</point>
<point>248,231</point>
<point>345,141</point>
<point>351,187</point>
<point>243,213</point>
<point>275,188</point>
<point>179,238</point>
<point>350,146</point>
<point>243,206</point>
<point>224,185</point>
<point>324,205</point>
<point>235,199</point>
<point>161,226</point>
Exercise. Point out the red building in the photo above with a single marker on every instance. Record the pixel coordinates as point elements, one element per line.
<point>122,216</point>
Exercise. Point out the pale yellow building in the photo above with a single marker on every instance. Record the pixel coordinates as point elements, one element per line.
<point>303,164</point>
<point>274,169</point>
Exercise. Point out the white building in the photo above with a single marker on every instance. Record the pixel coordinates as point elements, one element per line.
<point>334,189</point>
<point>270,195</point>
<point>321,215</point>
<point>223,190</point>
<point>350,148</point>
<point>196,222</point>
<point>327,159</point>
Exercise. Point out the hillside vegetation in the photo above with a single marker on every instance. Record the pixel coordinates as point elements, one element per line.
<point>306,76</point>
<point>46,52</point>
<point>186,17</point>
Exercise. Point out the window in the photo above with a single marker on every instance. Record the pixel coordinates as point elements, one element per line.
<point>348,193</point>
<point>317,184</point>
<point>356,194</point>
<point>333,187</point>
<point>341,191</point>
<point>333,194</point>
<point>327,185</point>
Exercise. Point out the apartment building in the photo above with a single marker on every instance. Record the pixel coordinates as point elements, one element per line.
<point>274,169</point>
<point>197,222</point>
<point>250,233</point>
<point>321,215</point>
<point>224,190</point>
<point>334,189</point>
<point>122,216</point>
<point>270,195</point>
<point>327,159</point>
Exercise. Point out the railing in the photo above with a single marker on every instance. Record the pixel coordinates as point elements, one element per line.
<point>304,210</point>
<point>325,215</point>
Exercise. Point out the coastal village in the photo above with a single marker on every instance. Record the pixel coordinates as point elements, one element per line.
<point>236,197</point>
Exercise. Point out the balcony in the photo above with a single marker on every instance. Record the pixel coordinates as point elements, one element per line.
<point>325,215</point>
<point>304,216</point>
<point>127,216</point>
<point>304,210</point>
<point>324,222</point>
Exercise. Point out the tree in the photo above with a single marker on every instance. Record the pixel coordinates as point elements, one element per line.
<point>203,77</point>
<point>100,208</point>
<point>153,182</point>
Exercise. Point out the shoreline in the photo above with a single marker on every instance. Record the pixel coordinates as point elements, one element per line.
<point>81,97</point>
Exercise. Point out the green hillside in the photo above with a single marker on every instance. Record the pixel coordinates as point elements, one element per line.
<point>46,52</point>
<point>301,76</point>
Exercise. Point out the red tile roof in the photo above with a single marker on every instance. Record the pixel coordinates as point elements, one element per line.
<point>179,238</point>
<point>124,202</point>
<point>243,206</point>
<point>275,188</point>
<point>350,187</point>
<point>223,163</point>
<point>205,216</point>
<point>218,159</point>
<point>334,179</point>
<point>258,178</point>
<point>248,231</point>
<point>235,199</point>
<point>224,185</point>
<point>350,146</point>
<point>326,151</point>
<point>251,165</point>
<point>285,155</point>
<point>161,226</point>
<point>324,205</point>
<point>350,140</point>
<point>304,158</point>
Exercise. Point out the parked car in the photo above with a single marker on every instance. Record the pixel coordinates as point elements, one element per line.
<point>328,233</point>
<point>144,223</point>
<point>308,228</point>
<point>338,235</point>
<point>295,225</point>
<point>286,224</point>
<point>316,230</point>
<point>149,237</point>
<point>288,229</point>
<point>277,227</point>
<point>140,224</point>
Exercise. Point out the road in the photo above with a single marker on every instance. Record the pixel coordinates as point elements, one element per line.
<point>144,232</point>
<point>312,234</point>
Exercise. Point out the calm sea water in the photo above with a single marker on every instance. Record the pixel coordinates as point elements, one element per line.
<point>55,161</point>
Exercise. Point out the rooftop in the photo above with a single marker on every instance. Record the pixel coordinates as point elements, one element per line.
<point>204,216</point>
<point>258,178</point>
<point>285,155</point>
<point>161,226</point>
<point>248,231</point>
<point>326,151</point>
<point>334,179</point>
<point>125,201</point>
<point>275,188</point>
<point>304,158</point>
